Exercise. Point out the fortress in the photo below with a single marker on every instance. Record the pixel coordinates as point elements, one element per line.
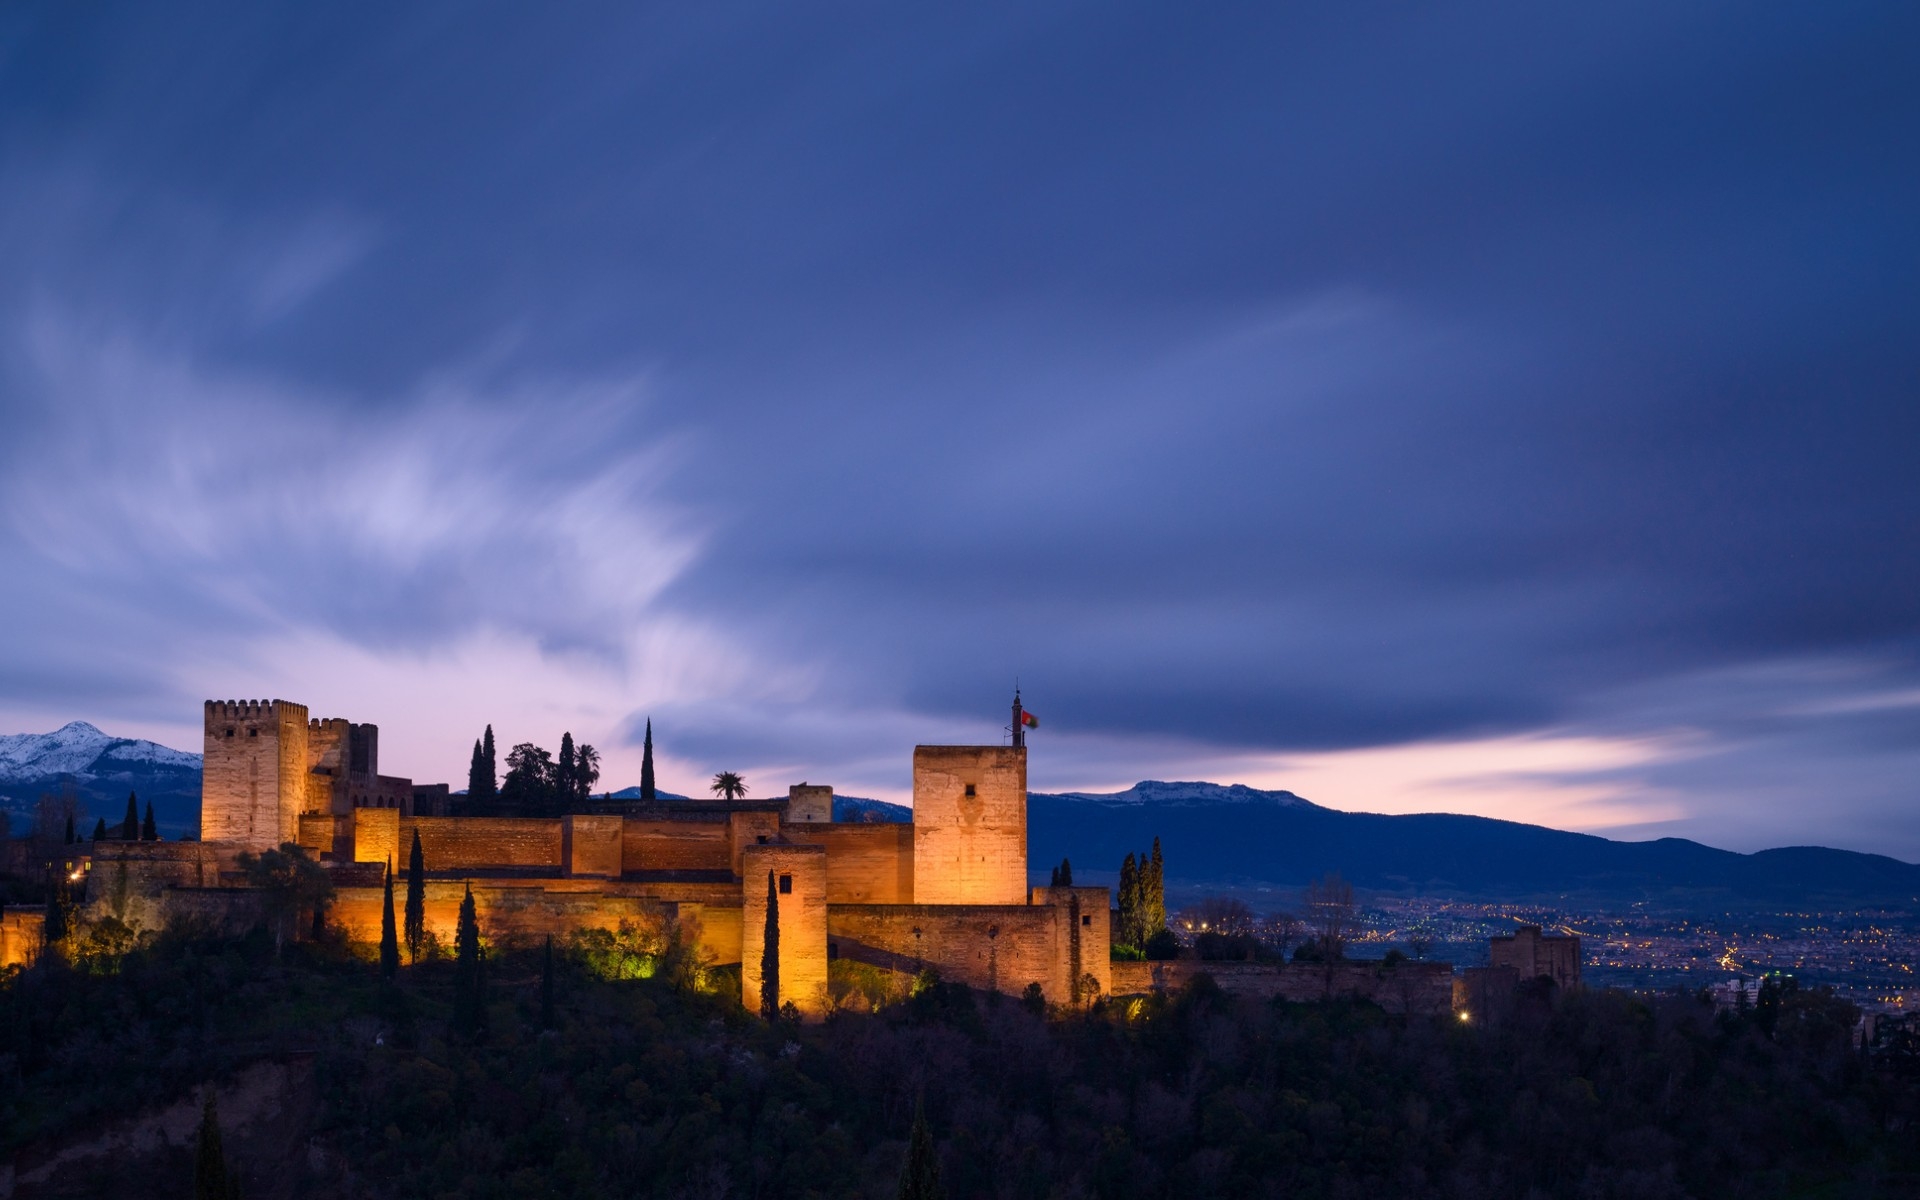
<point>948,891</point>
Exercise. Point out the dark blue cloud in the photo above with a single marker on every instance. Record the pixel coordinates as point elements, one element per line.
<point>1272,379</point>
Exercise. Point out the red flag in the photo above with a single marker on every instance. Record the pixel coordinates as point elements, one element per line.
<point>1029,720</point>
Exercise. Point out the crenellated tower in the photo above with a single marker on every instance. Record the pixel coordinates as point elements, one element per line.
<point>254,773</point>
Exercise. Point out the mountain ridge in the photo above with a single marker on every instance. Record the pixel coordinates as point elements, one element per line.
<point>1213,835</point>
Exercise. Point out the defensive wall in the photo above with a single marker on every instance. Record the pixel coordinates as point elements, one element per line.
<point>866,863</point>
<point>1530,954</point>
<point>20,938</point>
<point>1405,987</point>
<point>949,890</point>
<point>1054,942</point>
<point>794,878</point>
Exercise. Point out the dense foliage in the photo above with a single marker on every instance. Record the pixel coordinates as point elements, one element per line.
<point>649,1086</point>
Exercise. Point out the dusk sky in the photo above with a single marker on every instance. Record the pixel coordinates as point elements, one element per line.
<point>1514,413</point>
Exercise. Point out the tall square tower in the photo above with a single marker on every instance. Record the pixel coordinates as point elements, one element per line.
<point>969,824</point>
<point>254,772</point>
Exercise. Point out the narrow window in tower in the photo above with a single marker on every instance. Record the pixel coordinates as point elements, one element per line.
<point>969,791</point>
<point>229,731</point>
<point>253,733</point>
<point>1086,920</point>
<point>786,885</point>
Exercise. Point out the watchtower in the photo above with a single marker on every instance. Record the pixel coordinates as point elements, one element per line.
<point>254,772</point>
<point>970,824</point>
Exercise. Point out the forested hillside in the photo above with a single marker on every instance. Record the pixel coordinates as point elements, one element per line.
<point>653,1082</point>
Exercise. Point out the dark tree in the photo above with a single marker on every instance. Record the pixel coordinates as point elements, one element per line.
<point>69,840</point>
<point>647,795</point>
<point>149,832</point>
<point>290,883</point>
<point>566,773</point>
<point>770,955</point>
<point>100,829</point>
<point>920,1176</point>
<point>130,824</point>
<point>475,789</point>
<point>389,937</point>
<point>1053,878</point>
<point>528,787</point>
<point>547,1020</point>
<point>1153,896</point>
<point>483,788</point>
<point>728,785</point>
<point>1128,933</point>
<point>416,921</point>
<point>1066,873</point>
<point>469,975</point>
<point>212,1180</point>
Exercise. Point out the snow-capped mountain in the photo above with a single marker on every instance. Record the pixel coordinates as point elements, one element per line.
<point>102,770</point>
<point>1154,791</point>
<point>80,749</point>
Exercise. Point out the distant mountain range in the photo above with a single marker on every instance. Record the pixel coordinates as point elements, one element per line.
<point>1243,838</point>
<point>1213,836</point>
<point>101,769</point>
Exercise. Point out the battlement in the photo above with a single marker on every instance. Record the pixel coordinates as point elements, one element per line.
<point>260,711</point>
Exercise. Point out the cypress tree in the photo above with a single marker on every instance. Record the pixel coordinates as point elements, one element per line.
<point>474,769</point>
<point>211,1178</point>
<point>547,1020</point>
<point>1053,880</point>
<point>69,829</point>
<point>489,764</point>
<point>1129,901</point>
<point>469,977</point>
<point>646,766</point>
<point>416,927</point>
<point>1155,895</point>
<point>920,1177</point>
<point>149,832</point>
<point>389,940</point>
<point>566,781</point>
<point>770,955</point>
<point>130,825</point>
<point>1066,872</point>
<point>100,830</point>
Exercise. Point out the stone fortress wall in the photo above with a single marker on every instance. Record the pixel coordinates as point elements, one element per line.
<point>948,891</point>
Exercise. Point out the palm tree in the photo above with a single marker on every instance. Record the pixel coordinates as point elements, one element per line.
<point>586,770</point>
<point>729,786</point>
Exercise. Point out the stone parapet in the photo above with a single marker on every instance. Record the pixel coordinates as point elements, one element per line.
<point>1406,987</point>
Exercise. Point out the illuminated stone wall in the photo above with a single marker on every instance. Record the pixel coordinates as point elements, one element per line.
<point>522,910</point>
<point>457,843</point>
<point>749,828</point>
<point>325,833</point>
<point>20,937</point>
<point>254,772</point>
<point>376,837</point>
<point>662,845</point>
<point>329,760</point>
<point>802,923</point>
<point>591,845</point>
<point>970,824</point>
<point>1004,947</point>
<point>866,864</point>
<point>809,804</point>
<point>1407,987</point>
